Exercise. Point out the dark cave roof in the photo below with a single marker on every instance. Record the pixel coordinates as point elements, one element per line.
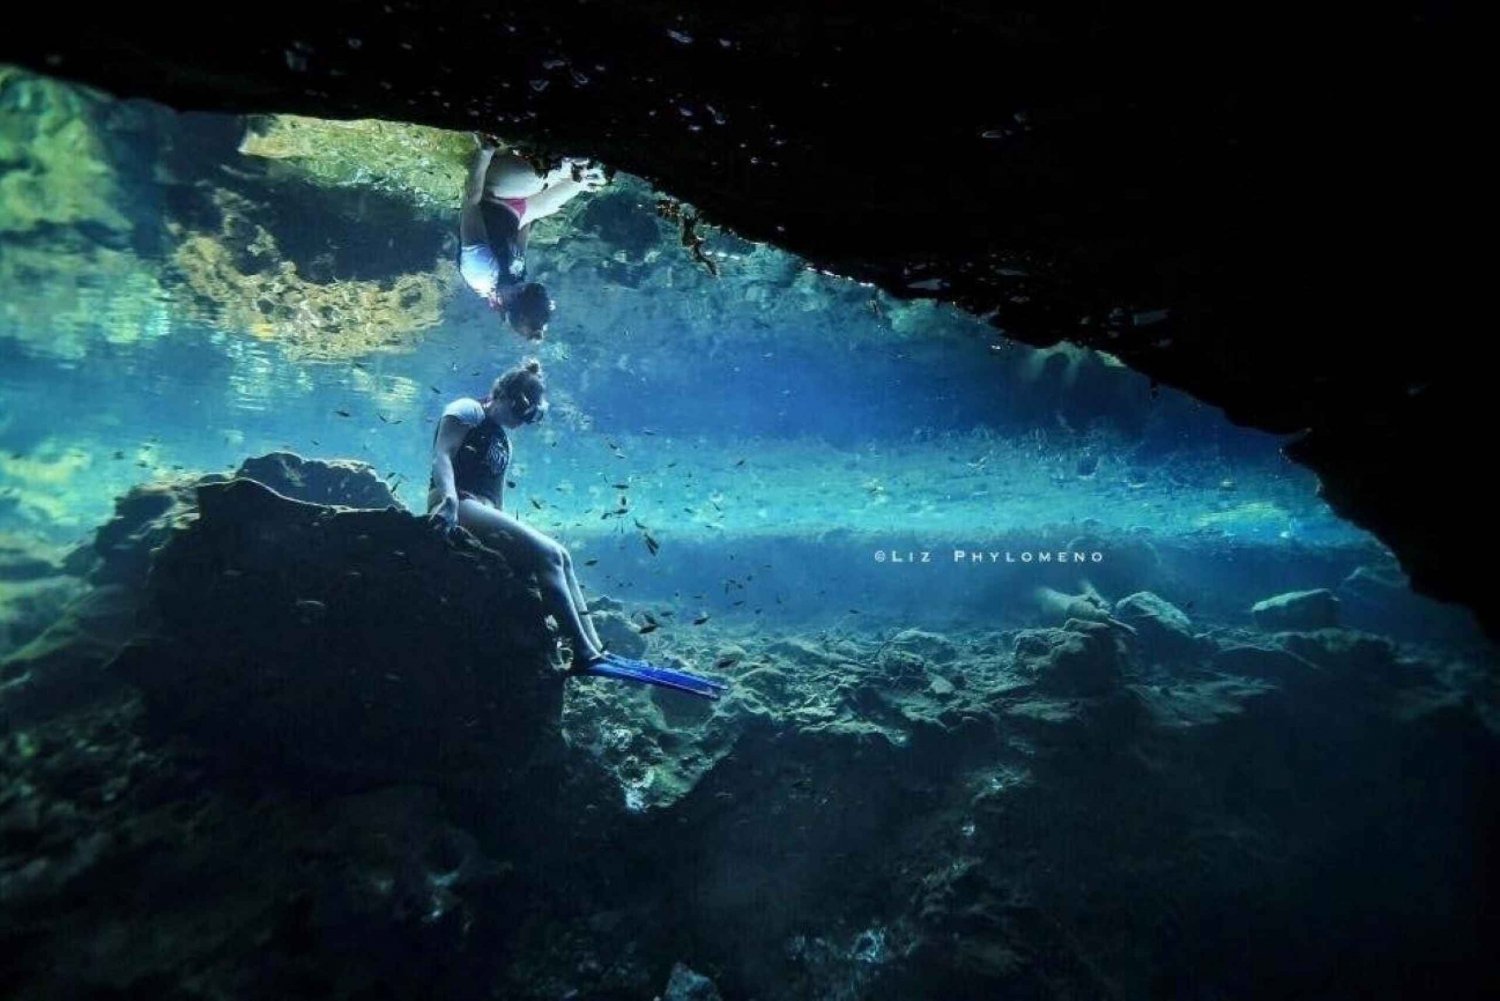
<point>1254,203</point>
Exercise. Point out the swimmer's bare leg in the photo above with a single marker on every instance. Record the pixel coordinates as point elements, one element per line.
<point>578,599</point>
<point>528,547</point>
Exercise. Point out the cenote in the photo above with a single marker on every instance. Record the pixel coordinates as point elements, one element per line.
<point>1031,677</point>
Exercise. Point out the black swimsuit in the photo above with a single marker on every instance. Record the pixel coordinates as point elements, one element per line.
<point>479,464</point>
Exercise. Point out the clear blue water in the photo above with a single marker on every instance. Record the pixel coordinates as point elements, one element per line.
<point>854,508</point>
<point>843,417</point>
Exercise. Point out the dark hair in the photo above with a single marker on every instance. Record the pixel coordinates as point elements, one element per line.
<point>529,308</point>
<point>523,380</point>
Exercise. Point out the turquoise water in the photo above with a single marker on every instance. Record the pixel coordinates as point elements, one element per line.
<point>180,302</point>
<point>773,406</point>
<point>1000,717</point>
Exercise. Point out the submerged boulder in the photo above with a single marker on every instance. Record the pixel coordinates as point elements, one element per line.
<point>929,647</point>
<point>686,985</point>
<point>1163,632</point>
<point>1081,659</point>
<point>62,664</point>
<point>338,482</point>
<point>357,644</point>
<point>1318,609</point>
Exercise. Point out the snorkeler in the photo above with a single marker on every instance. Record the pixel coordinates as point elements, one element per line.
<point>502,198</point>
<point>470,454</point>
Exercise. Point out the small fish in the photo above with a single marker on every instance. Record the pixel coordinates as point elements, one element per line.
<point>740,463</point>
<point>620,486</point>
<point>649,627</point>
<point>701,619</point>
<point>358,365</point>
<point>672,463</point>
<point>383,418</point>
<point>511,484</point>
<point>738,603</point>
<point>651,543</point>
<point>589,563</point>
<point>535,503</point>
<point>724,662</point>
<point>436,390</point>
<point>119,455</point>
<point>343,413</point>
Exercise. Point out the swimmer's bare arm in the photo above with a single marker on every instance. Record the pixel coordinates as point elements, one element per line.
<point>471,231</point>
<point>450,437</point>
<point>562,189</point>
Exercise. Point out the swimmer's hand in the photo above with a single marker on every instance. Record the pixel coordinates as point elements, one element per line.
<point>485,141</point>
<point>586,173</point>
<point>445,515</point>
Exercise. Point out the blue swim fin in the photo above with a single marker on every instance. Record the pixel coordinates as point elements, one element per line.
<point>612,665</point>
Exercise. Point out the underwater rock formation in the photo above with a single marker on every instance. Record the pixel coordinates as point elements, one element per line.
<point>1163,631</point>
<point>1081,658</point>
<point>240,272</point>
<point>345,734</point>
<point>426,165</point>
<point>68,223</point>
<point>34,587</point>
<point>685,985</point>
<point>272,611</point>
<point>331,482</point>
<point>63,665</point>
<point>1316,609</point>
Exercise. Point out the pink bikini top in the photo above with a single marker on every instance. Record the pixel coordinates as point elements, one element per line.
<point>516,205</point>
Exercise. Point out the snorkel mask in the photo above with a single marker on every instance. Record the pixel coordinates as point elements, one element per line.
<point>530,411</point>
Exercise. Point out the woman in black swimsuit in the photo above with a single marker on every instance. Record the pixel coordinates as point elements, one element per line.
<point>470,453</point>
